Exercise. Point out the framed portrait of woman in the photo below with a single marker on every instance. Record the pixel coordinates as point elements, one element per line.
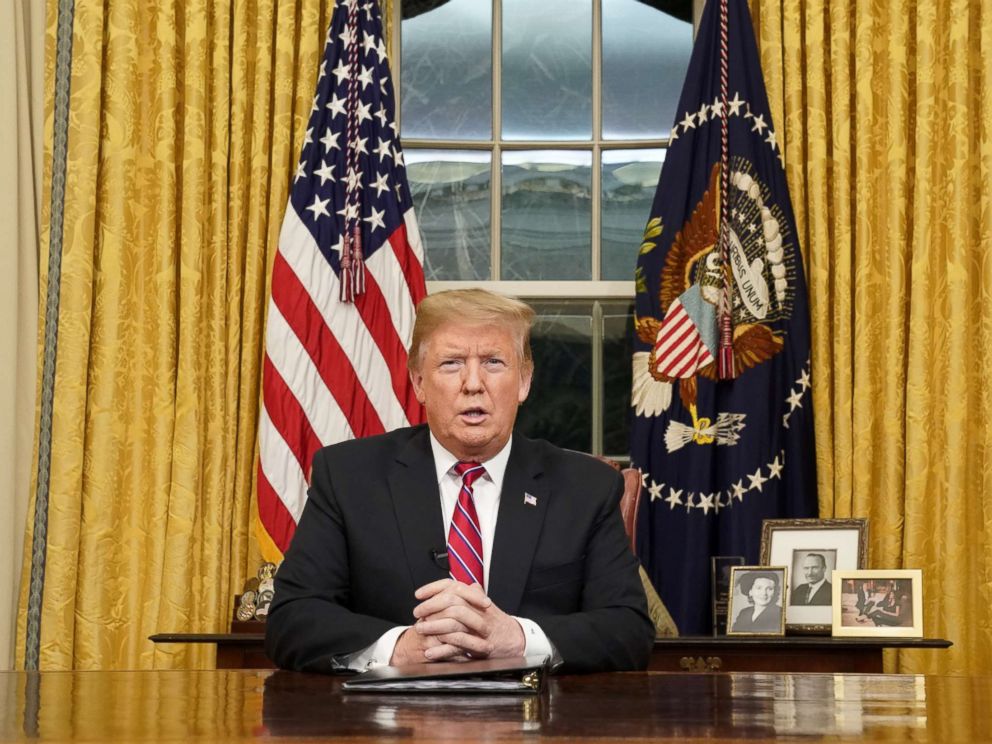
<point>756,600</point>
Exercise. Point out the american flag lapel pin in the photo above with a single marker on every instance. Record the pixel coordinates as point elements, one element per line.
<point>530,500</point>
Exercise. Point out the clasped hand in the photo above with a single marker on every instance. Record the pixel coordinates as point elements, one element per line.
<point>455,622</point>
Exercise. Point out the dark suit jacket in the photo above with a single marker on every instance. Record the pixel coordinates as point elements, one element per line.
<point>822,596</point>
<point>365,540</point>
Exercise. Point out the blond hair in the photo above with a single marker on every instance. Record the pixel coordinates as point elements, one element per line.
<point>471,307</point>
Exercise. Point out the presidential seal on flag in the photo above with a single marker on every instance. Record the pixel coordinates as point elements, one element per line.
<point>684,344</point>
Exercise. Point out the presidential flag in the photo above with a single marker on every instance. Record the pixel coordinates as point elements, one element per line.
<point>722,426</point>
<point>346,278</point>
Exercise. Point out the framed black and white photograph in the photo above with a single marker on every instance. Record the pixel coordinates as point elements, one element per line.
<point>813,549</point>
<point>756,605</point>
<point>884,603</point>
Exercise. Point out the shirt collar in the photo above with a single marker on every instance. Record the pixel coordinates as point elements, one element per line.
<point>817,585</point>
<point>444,461</point>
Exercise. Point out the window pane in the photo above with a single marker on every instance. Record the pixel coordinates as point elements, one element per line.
<point>447,69</point>
<point>547,69</point>
<point>451,191</point>
<point>618,348</point>
<point>645,57</point>
<point>560,401</point>
<point>630,178</point>
<point>546,215</point>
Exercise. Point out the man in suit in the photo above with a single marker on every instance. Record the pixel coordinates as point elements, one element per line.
<point>460,539</point>
<point>816,590</point>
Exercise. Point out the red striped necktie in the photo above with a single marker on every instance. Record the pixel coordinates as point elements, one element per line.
<point>465,537</point>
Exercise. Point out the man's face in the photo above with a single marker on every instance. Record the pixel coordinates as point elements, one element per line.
<point>471,383</point>
<point>813,569</point>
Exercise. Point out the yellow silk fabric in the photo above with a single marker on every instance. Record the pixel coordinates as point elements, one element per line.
<point>886,109</point>
<point>186,120</point>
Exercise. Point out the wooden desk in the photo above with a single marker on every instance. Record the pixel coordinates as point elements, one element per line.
<point>242,706</point>
<point>688,654</point>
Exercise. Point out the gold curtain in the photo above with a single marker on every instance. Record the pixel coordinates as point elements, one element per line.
<point>185,120</point>
<point>887,114</point>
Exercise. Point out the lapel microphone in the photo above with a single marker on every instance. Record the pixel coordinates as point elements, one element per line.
<point>440,558</point>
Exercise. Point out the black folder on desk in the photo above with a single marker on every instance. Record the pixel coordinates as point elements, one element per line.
<point>518,675</point>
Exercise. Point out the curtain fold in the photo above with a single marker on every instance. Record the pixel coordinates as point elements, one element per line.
<point>22,38</point>
<point>185,118</point>
<point>887,115</point>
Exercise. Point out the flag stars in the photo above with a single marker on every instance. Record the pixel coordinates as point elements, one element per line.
<point>398,157</point>
<point>689,502</point>
<point>323,70</point>
<point>359,144</point>
<point>775,469</point>
<point>738,491</point>
<point>314,107</point>
<point>382,86</point>
<point>689,122</point>
<point>365,77</point>
<point>716,109</point>
<point>380,50</point>
<point>354,179</point>
<point>757,480</point>
<point>369,45</point>
<point>330,140</point>
<point>336,105</point>
<point>376,219</point>
<point>674,498</point>
<point>804,380</point>
<point>795,399</point>
<point>341,72</point>
<point>644,480</point>
<point>735,104</point>
<point>308,137</point>
<point>301,171</point>
<point>349,212</point>
<point>381,184</point>
<point>759,124</point>
<point>325,172</point>
<point>705,502</point>
<point>384,149</point>
<point>346,37</point>
<point>363,112</point>
<point>381,116</point>
<point>319,207</point>
<point>770,139</point>
<point>655,491</point>
<point>702,113</point>
<point>674,135</point>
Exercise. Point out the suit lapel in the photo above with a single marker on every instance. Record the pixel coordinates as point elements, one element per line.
<point>417,502</point>
<point>523,504</point>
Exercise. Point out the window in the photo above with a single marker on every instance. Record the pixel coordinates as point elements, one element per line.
<point>534,134</point>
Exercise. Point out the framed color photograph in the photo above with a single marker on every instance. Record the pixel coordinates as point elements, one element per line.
<point>812,549</point>
<point>756,600</point>
<point>884,603</point>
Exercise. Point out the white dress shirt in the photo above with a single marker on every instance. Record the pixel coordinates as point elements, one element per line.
<point>486,493</point>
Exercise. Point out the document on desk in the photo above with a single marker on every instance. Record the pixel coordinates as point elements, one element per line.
<point>518,675</point>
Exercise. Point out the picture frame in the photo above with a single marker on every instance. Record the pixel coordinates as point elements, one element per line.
<point>720,566</point>
<point>756,606</point>
<point>878,602</point>
<point>813,549</point>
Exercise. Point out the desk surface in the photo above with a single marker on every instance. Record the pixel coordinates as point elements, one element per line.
<point>240,706</point>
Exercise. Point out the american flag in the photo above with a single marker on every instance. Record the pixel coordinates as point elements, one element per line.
<point>346,278</point>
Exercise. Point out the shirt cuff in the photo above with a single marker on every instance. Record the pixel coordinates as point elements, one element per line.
<point>371,657</point>
<point>536,643</point>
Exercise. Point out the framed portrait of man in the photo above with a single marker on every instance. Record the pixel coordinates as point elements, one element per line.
<point>813,549</point>
<point>756,600</point>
